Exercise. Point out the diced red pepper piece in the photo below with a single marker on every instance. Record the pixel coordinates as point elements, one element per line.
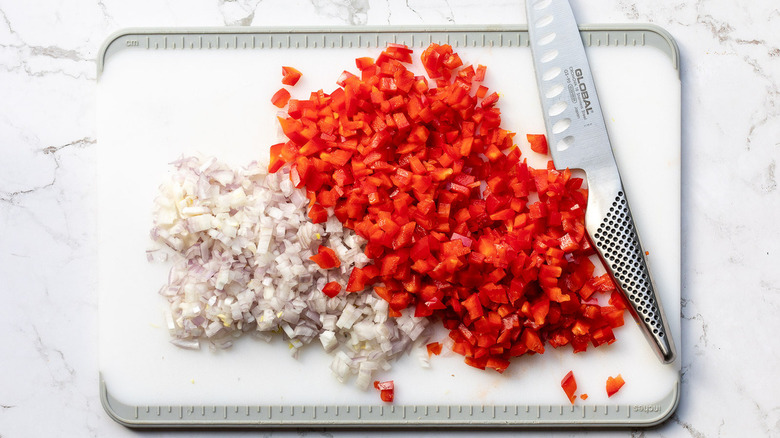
<point>384,385</point>
<point>614,384</point>
<point>326,258</point>
<point>359,279</point>
<point>318,214</point>
<point>490,100</point>
<point>290,76</point>
<point>473,306</point>
<point>453,61</point>
<point>569,385</point>
<point>342,80</point>
<point>280,98</point>
<point>277,161</point>
<point>497,363</point>
<point>332,289</point>
<point>538,143</point>
<point>434,348</point>
<point>386,390</point>
<point>602,335</point>
<point>364,63</point>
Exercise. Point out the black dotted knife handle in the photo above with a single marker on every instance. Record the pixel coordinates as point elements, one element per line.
<point>618,244</point>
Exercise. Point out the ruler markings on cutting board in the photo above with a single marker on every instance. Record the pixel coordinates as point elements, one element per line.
<point>362,38</point>
<point>349,416</point>
<point>379,415</point>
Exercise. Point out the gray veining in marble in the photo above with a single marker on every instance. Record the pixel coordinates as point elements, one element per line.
<point>731,239</point>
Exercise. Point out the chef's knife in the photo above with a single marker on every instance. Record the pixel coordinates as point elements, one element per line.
<point>578,139</point>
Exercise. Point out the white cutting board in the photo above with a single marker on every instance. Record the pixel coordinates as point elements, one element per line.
<point>155,105</point>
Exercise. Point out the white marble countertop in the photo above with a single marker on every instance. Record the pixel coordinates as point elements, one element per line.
<point>731,144</point>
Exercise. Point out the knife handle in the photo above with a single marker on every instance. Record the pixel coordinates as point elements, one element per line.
<point>616,239</point>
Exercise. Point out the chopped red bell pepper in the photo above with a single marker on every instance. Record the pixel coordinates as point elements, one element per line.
<point>434,348</point>
<point>326,258</point>
<point>614,384</point>
<point>280,98</point>
<point>569,386</point>
<point>318,214</point>
<point>386,390</point>
<point>538,143</point>
<point>276,161</point>
<point>360,278</point>
<point>480,74</point>
<point>489,101</point>
<point>331,289</point>
<point>290,76</point>
<point>458,225</point>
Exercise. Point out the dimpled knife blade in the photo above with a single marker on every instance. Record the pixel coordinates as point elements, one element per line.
<point>578,139</point>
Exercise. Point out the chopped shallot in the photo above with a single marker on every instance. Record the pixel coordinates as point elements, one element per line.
<point>241,243</point>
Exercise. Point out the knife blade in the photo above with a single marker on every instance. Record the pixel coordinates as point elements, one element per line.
<point>578,139</point>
